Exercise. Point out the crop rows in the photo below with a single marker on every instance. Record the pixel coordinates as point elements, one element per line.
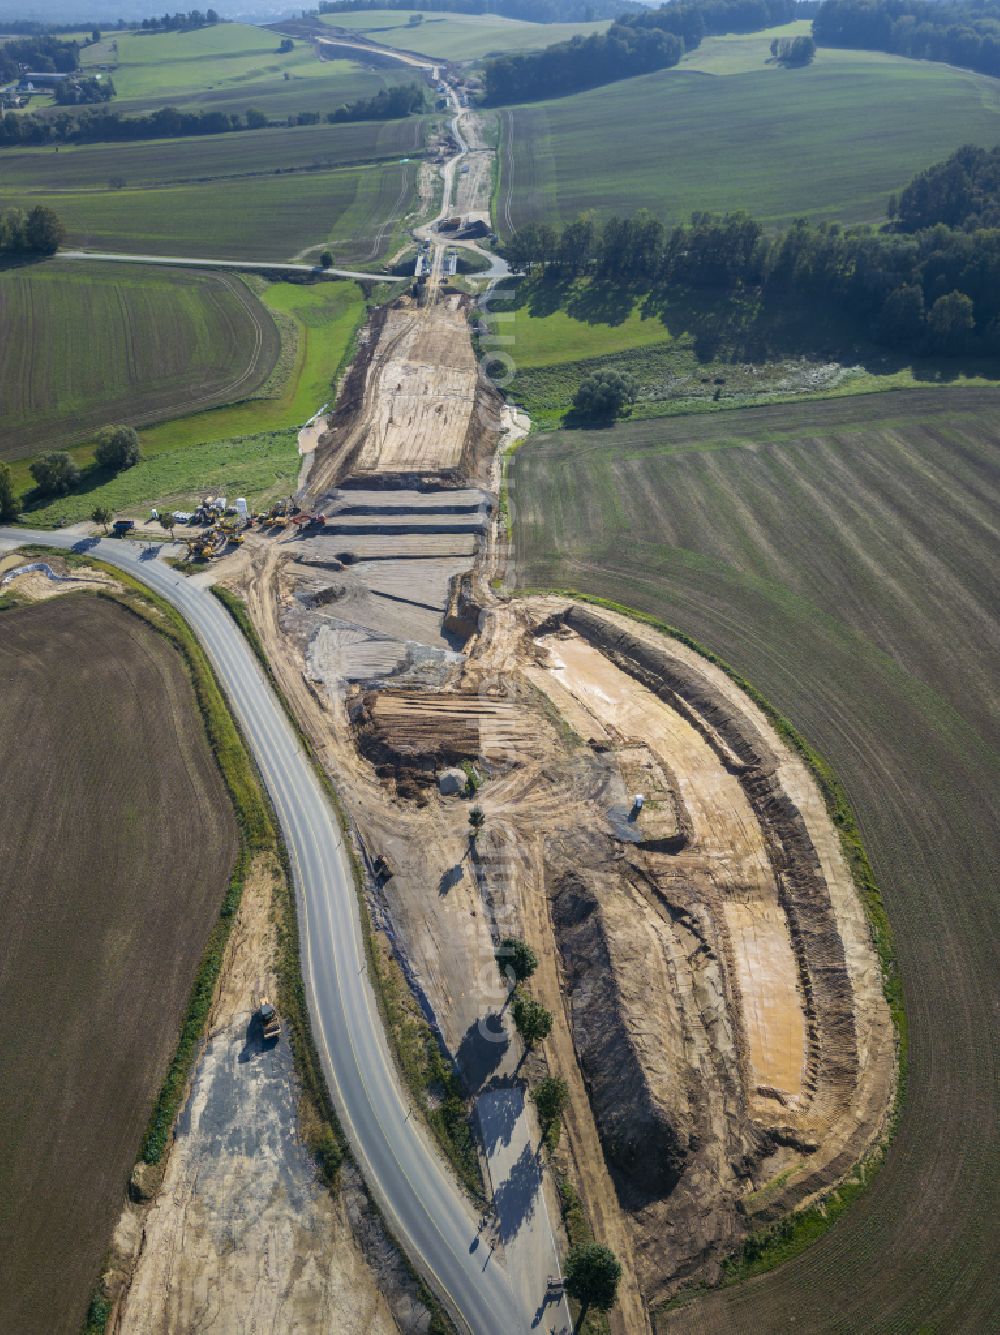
<point>89,344</point>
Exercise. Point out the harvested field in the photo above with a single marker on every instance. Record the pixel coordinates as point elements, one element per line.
<point>90,344</point>
<point>842,556</point>
<point>102,743</point>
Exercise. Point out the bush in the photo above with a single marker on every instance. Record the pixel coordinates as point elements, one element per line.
<point>117,448</point>
<point>592,1275</point>
<point>603,395</point>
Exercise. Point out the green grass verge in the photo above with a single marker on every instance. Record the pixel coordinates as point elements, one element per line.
<point>767,1248</point>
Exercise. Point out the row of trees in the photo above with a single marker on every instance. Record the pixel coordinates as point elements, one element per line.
<point>592,1271</point>
<point>937,291</point>
<point>181,22</point>
<point>961,32</point>
<point>171,123</point>
<point>57,473</point>
<point>387,104</point>
<point>583,62</point>
<point>635,44</point>
<point>963,192</point>
<point>39,232</point>
<point>533,11</point>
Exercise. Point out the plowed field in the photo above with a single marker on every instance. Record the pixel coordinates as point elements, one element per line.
<point>115,846</point>
<point>842,555</point>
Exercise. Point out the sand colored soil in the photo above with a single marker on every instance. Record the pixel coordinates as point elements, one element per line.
<point>242,1236</point>
<point>728,842</point>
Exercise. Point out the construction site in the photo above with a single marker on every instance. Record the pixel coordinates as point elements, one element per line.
<point>529,768</point>
<point>717,1004</point>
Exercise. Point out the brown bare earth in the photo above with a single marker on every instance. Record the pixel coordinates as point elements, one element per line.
<point>410,400</point>
<point>115,848</point>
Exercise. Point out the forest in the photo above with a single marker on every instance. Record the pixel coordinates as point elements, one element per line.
<point>635,44</point>
<point>962,33</point>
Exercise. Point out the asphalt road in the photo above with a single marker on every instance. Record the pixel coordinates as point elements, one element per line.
<point>187,262</point>
<point>423,1206</point>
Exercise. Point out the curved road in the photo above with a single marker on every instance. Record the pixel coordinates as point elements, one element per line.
<point>423,1206</point>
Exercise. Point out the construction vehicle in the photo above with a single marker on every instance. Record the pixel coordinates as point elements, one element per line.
<point>270,1025</point>
<point>303,520</point>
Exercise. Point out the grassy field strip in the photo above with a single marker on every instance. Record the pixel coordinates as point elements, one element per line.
<point>91,343</point>
<point>266,217</point>
<point>841,559</point>
<point>832,140</point>
<point>740,53</point>
<point>206,158</point>
<point>563,331</point>
<point>458,36</point>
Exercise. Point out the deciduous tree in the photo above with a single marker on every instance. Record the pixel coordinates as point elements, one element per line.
<point>117,448</point>
<point>55,473</point>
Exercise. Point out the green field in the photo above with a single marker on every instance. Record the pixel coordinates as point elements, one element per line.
<point>211,157</point>
<point>248,448</point>
<point>741,53</point>
<point>458,36</point>
<point>842,556</point>
<point>89,344</point>
<point>229,68</point>
<point>272,217</point>
<point>832,140</point>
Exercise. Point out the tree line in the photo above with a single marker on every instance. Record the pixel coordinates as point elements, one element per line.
<point>532,11</point>
<point>635,44</point>
<point>181,22</point>
<point>171,123</point>
<point>936,291</point>
<point>961,32</point>
<point>39,232</point>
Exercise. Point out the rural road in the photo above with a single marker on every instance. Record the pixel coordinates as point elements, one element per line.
<point>423,1206</point>
<point>186,262</point>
